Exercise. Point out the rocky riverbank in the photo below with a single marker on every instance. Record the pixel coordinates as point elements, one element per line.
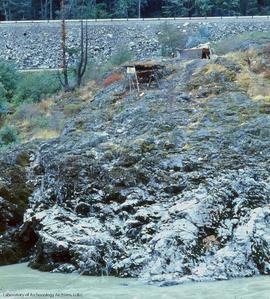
<point>37,45</point>
<point>169,185</point>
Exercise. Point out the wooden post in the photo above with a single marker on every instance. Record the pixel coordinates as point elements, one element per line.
<point>132,74</point>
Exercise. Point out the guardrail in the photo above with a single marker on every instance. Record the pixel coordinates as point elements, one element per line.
<point>182,19</point>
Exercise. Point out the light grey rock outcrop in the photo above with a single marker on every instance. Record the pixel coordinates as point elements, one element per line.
<point>156,186</point>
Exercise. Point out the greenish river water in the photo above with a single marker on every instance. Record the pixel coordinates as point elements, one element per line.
<point>19,281</point>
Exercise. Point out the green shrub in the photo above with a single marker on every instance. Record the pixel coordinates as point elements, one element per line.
<point>39,122</point>
<point>33,87</point>
<point>96,72</point>
<point>8,79</point>
<point>3,99</point>
<point>93,71</point>
<point>27,111</point>
<point>3,107</point>
<point>121,56</point>
<point>3,92</point>
<point>7,136</point>
<point>202,36</point>
<point>170,39</point>
<point>72,109</point>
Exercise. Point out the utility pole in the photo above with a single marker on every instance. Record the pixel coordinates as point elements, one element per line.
<point>139,9</point>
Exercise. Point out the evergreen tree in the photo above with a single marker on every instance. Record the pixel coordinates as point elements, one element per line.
<point>253,7</point>
<point>176,8</point>
<point>203,7</point>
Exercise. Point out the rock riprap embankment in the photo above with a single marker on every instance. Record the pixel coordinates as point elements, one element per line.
<point>37,45</point>
<point>169,186</point>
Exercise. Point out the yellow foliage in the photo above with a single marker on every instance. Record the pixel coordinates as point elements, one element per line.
<point>244,79</point>
<point>213,67</point>
<point>242,58</point>
<point>45,105</point>
<point>86,92</point>
<point>262,98</point>
<point>187,146</point>
<point>45,134</point>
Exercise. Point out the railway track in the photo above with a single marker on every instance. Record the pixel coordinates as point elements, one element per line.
<point>147,20</point>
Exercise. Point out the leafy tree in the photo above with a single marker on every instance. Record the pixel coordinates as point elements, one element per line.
<point>176,8</point>
<point>253,7</point>
<point>170,39</point>
<point>203,7</point>
<point>243,7</point>
<point>7,136</point>
<point>82,57</point>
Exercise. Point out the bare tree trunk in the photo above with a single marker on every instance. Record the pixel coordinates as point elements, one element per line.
<point>243,7</point>
<point>83,58</point>
<point>41,9</point>
<point>51,10</point>
<point>9,12</point>
<point>139,12</point>
<point>5,8</point>
<point>83,54</point>
<point>64,49</point>
<point>71,9</point>
<point>46,9</point>
<point>6,14</point>
<point>95,6</point>
<point>80,65</point>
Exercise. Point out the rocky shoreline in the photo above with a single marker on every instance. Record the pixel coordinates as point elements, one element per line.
<point>168,186</point>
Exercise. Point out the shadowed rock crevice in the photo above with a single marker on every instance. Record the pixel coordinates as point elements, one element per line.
<point>14,192</point>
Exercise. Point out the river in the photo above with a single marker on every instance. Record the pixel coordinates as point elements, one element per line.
<point>19,281</point>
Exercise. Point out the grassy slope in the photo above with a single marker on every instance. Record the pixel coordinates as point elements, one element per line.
<point>249,70</point>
